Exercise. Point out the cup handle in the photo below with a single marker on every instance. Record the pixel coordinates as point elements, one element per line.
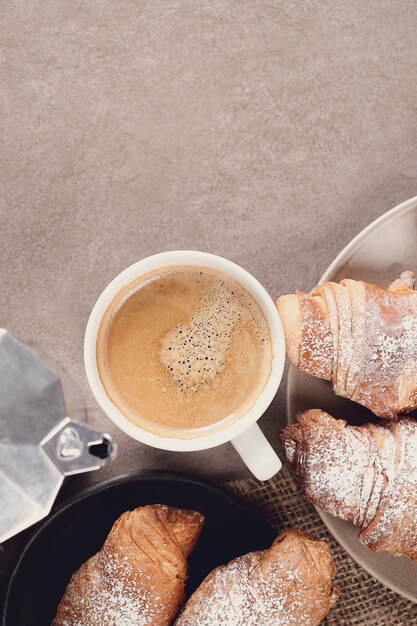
<point>257,453</point>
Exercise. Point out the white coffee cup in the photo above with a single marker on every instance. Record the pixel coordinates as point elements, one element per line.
<point>244,434</point>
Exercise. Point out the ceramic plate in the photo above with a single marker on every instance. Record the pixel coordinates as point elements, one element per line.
<point>378,254</point>
<point>78,528</point>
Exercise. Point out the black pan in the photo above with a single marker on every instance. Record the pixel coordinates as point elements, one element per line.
<point>78,528</point>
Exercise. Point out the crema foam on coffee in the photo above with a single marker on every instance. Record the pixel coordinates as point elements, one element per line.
<point>183,351</point>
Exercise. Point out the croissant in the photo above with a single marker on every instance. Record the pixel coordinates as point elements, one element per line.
<point>366,475</point>
<point>137,578</point>
<point>291,583</point>
<point>361,337</point>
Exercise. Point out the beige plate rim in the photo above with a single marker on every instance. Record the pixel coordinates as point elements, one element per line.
<point>405,207</point>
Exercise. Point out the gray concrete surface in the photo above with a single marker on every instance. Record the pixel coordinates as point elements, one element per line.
<point>268,132</point>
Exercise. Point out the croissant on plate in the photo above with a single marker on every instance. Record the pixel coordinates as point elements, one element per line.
<point>366,475</point>
<point>289,584</point>
<point>361,337</point>
<point>137,578</point>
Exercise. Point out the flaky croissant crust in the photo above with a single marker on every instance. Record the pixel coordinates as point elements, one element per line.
<point>289,584</point>
<point>137,578</point>
<point>366,475</point>
<point>361,337</point>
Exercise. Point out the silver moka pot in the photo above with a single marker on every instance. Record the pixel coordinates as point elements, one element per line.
<point>39,443</point>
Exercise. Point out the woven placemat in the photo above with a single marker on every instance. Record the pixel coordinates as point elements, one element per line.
<point>363,600</point>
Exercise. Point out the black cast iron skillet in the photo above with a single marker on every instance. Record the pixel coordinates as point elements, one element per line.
<point>79,526</point>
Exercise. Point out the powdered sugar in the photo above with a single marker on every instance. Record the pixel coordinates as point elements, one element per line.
<point>403,340</point>
<point>364,339</point>
<point>328,459</point>
<point>116,595</point>
<point>125,598</point>
<point>366,475</point>
<point>137,578</point>
<point>395,527</point>
<point>316,347</point>
<point>389,352</point>
<point>277,587</point>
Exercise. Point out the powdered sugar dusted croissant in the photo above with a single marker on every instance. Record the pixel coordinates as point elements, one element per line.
<point>289,584</point>
<point>361,337</point>
<point>366,475</point>
<point>137,578</point>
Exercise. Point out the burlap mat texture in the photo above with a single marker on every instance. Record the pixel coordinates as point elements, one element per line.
<point>363,600</point>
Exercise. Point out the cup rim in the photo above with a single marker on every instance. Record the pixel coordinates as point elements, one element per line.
<point>185,257</point>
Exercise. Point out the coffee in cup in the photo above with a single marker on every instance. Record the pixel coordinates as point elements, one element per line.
<point>183,351</point>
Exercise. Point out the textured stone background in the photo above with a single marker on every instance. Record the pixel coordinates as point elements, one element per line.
<point>267,132</point>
